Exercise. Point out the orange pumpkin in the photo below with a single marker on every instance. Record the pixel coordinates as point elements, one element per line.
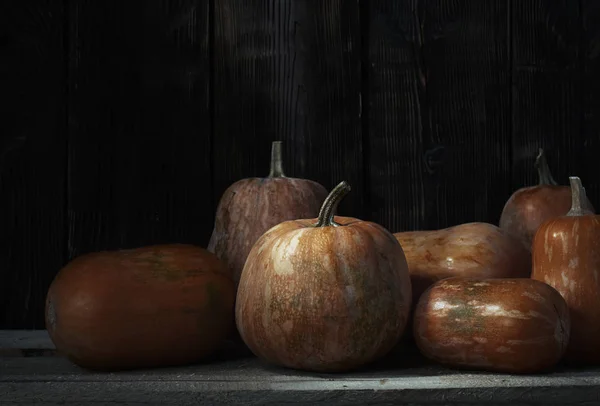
<point>324,294</point>
<point>566,255</point>
<point>145,307</point>
<point>514,325</point>
<point>249,207</point>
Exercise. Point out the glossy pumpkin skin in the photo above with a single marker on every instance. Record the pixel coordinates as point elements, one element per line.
<point>478,250</point>
<point>250,207</point>
<point>323,298</point>
<point>566,255</point>
<point>498,325</point>
<point>146,307</point>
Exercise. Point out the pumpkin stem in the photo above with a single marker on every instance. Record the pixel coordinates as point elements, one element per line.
<point>276,165</point>
<point>543,169</point>
<point>579,206</point>
<point>331,203</point>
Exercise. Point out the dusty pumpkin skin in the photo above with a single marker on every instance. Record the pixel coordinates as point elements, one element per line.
<point>478,250</point>
<point>250,207</point>
<point>327,294</point>
<point>146,307</point>
<point>498,325</point>
<point>529,207</point>
<point>566,255</point>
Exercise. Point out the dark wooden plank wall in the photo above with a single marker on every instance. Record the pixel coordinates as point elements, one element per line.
<point>125,121</point>
<point>32,156</point>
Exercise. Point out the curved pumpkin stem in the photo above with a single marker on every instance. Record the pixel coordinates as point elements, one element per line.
<point>276,161</point>
<point>579,206</point>
<point>331,203</point>
<point>543,169</point>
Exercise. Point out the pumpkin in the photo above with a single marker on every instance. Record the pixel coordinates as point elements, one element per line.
<point>249,207</point>
<point>328,294</point>
<point>566,255</point>
<point>153,306</point>
<point>529,207</point>
<point>512,325</point>
<point>471,250</point>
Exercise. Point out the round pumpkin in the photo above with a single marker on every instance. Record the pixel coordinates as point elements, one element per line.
<point>324,294</point>
<point>249,207</point>
<point>566,256</point>
<point>145,307</point>
<point>529,207</point>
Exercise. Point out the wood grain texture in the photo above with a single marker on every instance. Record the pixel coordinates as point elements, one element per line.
<point>397,116</point>
<point>288,70</point>
<point>241,380</point>
<point>440,107</point>
<point>590,11</point>
<point>32,157</point>
<point>547,98</point>
<point>468,95</point>
<point>139,139</point>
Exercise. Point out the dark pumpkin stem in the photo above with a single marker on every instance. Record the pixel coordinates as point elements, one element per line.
<point>276,164</point>
<point>331,203</point>
<point>543,169</point>
<point>579,206</point>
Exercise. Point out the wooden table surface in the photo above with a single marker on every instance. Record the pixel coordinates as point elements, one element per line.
<point>31,372</point>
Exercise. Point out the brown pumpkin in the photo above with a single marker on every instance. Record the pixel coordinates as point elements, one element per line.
<point>529,207</point>
<point>249,207</point>
<point>326,294</point>
<point>145,307</point>
<point>499,325</point>
<point>478,250</point>
<point>566,255</point>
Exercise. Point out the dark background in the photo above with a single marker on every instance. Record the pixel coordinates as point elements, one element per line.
<point>122,122</point>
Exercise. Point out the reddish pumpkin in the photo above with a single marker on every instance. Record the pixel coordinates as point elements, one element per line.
<point>566,255</point>
<point>249,207</point>
<point>529,207</point>
<point>502,325</point>
<point>326,294</point>
<point>145,307</point>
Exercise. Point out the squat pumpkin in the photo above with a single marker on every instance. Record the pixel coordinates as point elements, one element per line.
<point>153,306</point>
<point>326,294</point>
<point>514,325</point>
<point>566,255</point>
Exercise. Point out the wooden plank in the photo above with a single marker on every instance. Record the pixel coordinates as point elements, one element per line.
<point>590,174</point>
<point>547,100</point>
<point>139,150</point>
<point>32,157</point>
<point>468,95</point>
<point>25,340</point>
<point>440,107</point>
<point>236,378</point>
<point>248,381</point>
<point>288,70</point>
<point>397,116</point>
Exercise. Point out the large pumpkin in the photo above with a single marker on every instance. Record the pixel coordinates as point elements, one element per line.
<point>249,207</point>
<point>145,307</point>
<point>324,294</point>
<point>566,255</point>
<point>529,207</point>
